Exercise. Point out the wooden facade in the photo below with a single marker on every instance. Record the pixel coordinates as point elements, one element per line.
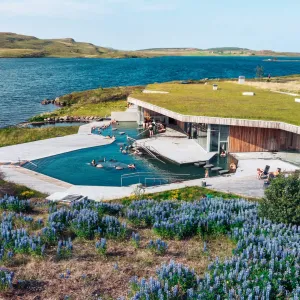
<point>253,139</point>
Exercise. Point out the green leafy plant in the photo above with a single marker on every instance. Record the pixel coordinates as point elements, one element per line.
<point>282,200</point>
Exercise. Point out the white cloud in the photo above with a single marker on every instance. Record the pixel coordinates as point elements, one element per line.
<point>79,8</point>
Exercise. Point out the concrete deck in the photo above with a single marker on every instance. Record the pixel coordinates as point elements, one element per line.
<point>44,148</point>
<point>179,150</point>
<point>291,157</point>
<point>34,180</point>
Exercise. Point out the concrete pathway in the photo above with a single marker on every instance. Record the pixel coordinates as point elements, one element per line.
<point>44,148</point>
<point>87,128</point>
<point>291,157</point>
<point>34,180</point>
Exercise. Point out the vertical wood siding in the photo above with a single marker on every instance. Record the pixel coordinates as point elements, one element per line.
<point>252,139</point>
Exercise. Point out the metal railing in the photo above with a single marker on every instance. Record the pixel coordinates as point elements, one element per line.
<point>156,177</point>
<point>144,147</point>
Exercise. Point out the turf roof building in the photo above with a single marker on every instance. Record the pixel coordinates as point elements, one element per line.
<point>224,118</point>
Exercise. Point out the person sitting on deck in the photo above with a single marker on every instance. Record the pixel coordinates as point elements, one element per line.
<point>259,172</point>
<point>161,128</point>
<point>131,166</point>
<point>277,172</point>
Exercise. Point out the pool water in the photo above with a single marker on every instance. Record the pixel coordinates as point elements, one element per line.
<point>75,168</point>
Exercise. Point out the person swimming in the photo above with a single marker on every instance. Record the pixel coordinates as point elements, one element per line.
<point>119,168</point>
<point>131,166</point>
<point>93,163</point>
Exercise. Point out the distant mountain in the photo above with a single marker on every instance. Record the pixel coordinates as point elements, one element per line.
<point>17,45</point>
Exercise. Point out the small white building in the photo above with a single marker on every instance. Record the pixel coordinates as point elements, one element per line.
<point>241,79</point>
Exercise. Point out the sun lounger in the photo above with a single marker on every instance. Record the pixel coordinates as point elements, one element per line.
<point>216,169</point>
<point>208,166</point>
<point>223,172</point>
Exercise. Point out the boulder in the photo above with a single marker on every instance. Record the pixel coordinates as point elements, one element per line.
<point>45,102</point>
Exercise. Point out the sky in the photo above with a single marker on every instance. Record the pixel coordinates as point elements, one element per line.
<point>140,24</point>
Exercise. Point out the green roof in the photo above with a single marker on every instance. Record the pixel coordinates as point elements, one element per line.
<point>227,102</point>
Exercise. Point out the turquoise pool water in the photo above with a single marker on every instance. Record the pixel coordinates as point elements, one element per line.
<point>74,167</point>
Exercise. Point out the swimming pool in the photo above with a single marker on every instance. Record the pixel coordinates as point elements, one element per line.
<point>74,167</point>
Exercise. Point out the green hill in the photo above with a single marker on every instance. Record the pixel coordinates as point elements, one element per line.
<point>16,45</point>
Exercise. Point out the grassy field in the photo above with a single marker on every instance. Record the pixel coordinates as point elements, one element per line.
<point>227,101</point>
<point>98,102</point>
<point>12,136</point>
<point>201,235</point>
<point>87,275</point>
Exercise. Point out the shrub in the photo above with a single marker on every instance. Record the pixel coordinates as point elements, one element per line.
<point>27,194</point>
<point>135,238</point>
<point>6,278</point>
<point>158,247</point>
<point>64,249</point>
<point>101,246</point>
<point>112,228</point>
<point>85,223</point>
<point>282,200</point>
<point>14,204</point>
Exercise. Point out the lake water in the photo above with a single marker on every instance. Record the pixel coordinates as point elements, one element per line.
<point>25,82</point>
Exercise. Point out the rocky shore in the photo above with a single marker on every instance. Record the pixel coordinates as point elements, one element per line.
<point>57,101</point>
<point>64,119</point>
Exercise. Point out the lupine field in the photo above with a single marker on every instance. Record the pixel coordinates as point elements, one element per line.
<point>147,249</point>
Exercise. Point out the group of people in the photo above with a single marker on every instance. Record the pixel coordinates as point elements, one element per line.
<point>153,127</point>
<point>261,174</point>
<point>117,167</point>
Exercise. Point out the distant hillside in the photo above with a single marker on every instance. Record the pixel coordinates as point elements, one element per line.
<point>16,45</point>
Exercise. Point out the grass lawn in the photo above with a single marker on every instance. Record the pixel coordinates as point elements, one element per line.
<point>101,109</point>
<point>13,136</point>
<point>228,102</point>
<point>184,194</point>
<point>98,103</point>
